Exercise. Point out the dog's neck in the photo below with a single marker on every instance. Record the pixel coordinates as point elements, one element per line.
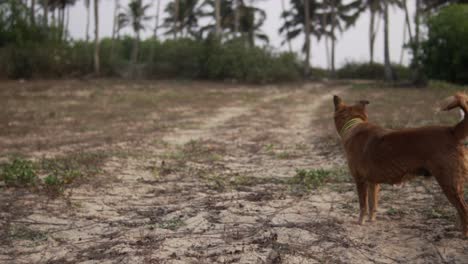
<point>349,125</point>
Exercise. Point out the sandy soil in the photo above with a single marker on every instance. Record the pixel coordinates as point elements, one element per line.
<point>212,187</point>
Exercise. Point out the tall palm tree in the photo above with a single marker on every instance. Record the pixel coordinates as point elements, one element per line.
<point>388,68</point>
<point>338,15</point>
<point>33,12</point>
<point>115,24</point>
<point>96,38</point>
<point>137,18</point>
<point>45,5</point>
<point>182,18</point>
<point>307,36</point>
<point>87,4</point>
<point>283,8</point>
<point>236,17</point>
<point>218,18</point>
<point>303,18</point>
<point>376,8</point>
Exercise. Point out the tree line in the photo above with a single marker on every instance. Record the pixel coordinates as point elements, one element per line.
<point>228,20</point>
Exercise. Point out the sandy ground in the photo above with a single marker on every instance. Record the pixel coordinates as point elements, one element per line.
<point>212,187</point>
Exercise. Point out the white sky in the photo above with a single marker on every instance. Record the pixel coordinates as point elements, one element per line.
<point>352,45</point>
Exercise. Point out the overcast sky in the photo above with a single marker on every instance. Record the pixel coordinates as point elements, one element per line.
<point>352,45</point>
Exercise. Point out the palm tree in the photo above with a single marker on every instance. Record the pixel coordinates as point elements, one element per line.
<point>87,5</point>
<point>182,18</point>
<point>303,18</point>
<point>218,18</point>
<point>115,24</point>
<point>283,8</point>
<point>236,17</point>
<point>33,12</point>
<point>156,18</point>
<point>338,16</point>
<point>45,5</point>
<point>376,7</point>
<point>388,68</point>
<point>307,36</point>
<point>136,16</point>
<point>96,38</point>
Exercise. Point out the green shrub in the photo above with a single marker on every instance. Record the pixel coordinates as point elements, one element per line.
<point>19,172</point>
<point>53,185</point>
<point>445,51</point>
<point>374,71</point>
<point>310,179</point>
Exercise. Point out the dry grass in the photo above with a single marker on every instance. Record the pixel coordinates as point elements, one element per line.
<point>209,173</point>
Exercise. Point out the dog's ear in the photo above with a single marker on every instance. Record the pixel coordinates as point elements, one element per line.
<point>338,102</point>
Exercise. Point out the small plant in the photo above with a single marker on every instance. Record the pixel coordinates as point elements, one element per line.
<point>54,185</point>
<point>19,172</point>
<point>310,179</point>
<point>24,233</point>
<point>172,224</point>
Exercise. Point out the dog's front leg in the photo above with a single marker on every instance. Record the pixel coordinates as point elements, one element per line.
<point>374,190</point>
<point>362,193</point>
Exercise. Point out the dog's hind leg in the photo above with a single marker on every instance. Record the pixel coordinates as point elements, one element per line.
<point>455,196</point>
<point>363,194</point>
<point>374,190</point>
<point>453,186</point>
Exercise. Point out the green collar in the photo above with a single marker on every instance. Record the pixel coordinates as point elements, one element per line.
<point>350,124</point>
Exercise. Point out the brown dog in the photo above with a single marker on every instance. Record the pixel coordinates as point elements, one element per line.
<point>376,155</point>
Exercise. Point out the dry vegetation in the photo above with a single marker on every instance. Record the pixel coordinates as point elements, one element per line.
<point>182,172</point>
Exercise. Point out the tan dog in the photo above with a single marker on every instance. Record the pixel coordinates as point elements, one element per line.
<point>376,155</point>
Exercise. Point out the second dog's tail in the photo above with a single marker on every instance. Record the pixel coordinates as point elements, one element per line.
<point>461,129</point>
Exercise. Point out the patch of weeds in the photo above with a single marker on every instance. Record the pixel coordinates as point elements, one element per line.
<point>198,151</point>
<point>53,185</point>
<point>216,182</point>
<point>394,212</point>
<point>269,148</point>
<point>437,213</point>
<point>309,179</point>
<point>284,155</point>
<point>242,180</point>
<point>70,168</point>
<point>19,172</point>
<point>172,224</point>
<point>64,171</point>
<point>24,233</point>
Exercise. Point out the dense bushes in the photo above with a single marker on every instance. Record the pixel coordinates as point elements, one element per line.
<point>374,71</point>
<point>445,52</point>
<point>181,58</point>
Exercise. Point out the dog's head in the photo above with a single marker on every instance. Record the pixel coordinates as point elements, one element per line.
<point>344,113</point>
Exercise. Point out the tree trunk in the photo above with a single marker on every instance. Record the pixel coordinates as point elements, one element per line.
<point>88,4</point>
<point>283,6</point>
<point>156,23</point>
<point>407,21</point>
<point>96,38</point>
<point>218,18</point>
<point>333,40</point>
<point>307,37</point>
<point>371,35</point>
<point>136,42</point>
<point>114,28</point>
<point>418,75</point>
<point>33,12</point>
<point>46,13</point>
<point>67,23</point>
<point>388,67</point>
<point>237,18</point>
<point>176,18</point>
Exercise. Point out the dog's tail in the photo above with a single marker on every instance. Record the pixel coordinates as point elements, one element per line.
<point>459,100</point>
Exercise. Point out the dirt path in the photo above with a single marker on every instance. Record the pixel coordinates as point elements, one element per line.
<point>219,191</point>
